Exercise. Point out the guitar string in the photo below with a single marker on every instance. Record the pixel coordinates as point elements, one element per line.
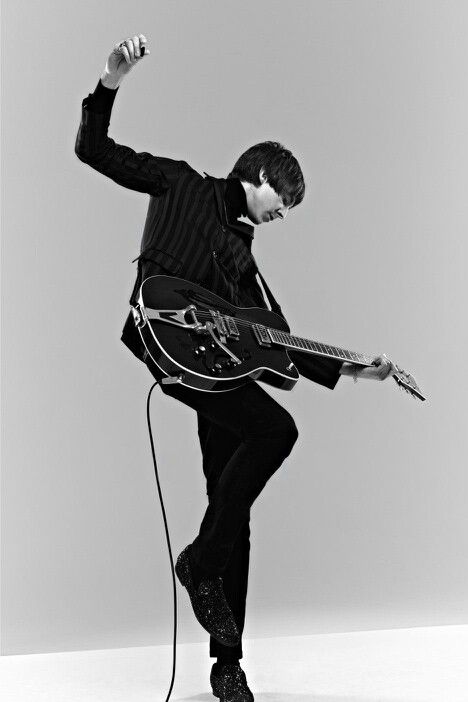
<point>247,324</point>
<point>244,323</point>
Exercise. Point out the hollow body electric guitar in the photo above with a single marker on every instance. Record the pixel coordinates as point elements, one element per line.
<point>201,341</point>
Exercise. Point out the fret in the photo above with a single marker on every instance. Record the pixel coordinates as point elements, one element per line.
<point>275,335</point>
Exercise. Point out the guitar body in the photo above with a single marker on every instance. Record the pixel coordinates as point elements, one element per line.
<point>191,356</point>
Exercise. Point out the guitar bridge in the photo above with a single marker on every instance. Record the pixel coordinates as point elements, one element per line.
<point>220,325</point>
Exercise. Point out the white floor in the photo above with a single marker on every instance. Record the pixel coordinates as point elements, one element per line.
<point>427,664</point>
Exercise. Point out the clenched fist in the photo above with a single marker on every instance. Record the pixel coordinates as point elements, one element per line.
<point>123,57</point>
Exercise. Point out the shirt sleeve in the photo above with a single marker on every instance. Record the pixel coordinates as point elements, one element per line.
<point>141,171</point>
<point>102,99</point>
<point>319,369</point>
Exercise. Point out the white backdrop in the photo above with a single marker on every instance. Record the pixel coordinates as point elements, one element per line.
<point>365,524</point>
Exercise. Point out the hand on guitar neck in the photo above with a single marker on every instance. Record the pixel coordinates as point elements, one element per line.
<point>382,369</point>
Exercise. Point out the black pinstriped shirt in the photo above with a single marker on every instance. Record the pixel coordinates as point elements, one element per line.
<point>192,228</point>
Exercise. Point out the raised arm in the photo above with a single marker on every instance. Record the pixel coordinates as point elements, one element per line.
<point>137,171</point>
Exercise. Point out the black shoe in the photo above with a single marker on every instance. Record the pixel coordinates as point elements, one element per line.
<point>229,683</point>
<point>208,602</point>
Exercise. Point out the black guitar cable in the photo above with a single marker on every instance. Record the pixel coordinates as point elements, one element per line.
<point>168,541</point>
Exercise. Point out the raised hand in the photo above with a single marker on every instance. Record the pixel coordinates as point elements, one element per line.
<point>123,58</point>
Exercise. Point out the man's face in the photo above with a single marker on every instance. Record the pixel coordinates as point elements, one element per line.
<point>263,203</point>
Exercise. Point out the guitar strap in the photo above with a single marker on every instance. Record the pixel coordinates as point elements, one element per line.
<point>271,298</point>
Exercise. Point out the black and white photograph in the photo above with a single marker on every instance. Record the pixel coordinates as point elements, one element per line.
<point>234,426</point>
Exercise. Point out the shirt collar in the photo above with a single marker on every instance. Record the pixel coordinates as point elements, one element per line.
<point>235,205</point>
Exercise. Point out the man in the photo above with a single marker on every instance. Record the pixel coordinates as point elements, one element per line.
<point>195,229</point>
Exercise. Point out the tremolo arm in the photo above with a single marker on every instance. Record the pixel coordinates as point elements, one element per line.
<point>142,314</point>
<point>209,327</point>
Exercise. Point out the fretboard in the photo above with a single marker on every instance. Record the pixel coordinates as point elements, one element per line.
<point>300,344</point>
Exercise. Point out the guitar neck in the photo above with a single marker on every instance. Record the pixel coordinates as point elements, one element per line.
<point>317,348</point>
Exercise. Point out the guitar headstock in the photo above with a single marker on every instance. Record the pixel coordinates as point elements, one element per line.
<point>407,382</point>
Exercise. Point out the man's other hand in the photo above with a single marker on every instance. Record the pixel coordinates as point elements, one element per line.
<point>122,58</point>
<point>382,368</point>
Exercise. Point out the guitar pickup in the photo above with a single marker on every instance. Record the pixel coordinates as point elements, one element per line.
<point>261,334</point>
<point>232,326</point>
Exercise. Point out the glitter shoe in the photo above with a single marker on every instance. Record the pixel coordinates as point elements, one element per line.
<point>208,602</point>
<point>229,683</point>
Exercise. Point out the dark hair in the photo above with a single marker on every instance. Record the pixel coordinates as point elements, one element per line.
<point>281,169</point>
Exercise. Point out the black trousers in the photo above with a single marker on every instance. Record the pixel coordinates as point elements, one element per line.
<point>245,435</point>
